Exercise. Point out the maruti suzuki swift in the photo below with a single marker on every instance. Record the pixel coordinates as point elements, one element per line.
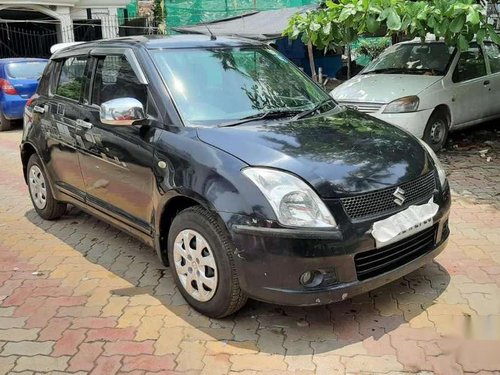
<point>243,174</point>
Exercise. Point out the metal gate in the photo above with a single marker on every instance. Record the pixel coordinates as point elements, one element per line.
<point>87,30</point>
<point>24,41</point>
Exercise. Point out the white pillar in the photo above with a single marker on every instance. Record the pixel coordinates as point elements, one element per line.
<point>109,21</point>
<point>66,33</point>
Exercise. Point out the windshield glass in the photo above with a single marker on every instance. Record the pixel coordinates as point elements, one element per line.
<point>26,70</point>
<point>412,58</point>
<point>213,86</point>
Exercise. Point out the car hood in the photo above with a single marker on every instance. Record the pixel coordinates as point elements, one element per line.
<point>339,153</point>
<point>382,88</point>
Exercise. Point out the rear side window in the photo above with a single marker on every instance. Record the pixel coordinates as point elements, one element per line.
<point>26,69</point>
<point>471,64</point>
<point>493,53</point>
<point>71,77</point>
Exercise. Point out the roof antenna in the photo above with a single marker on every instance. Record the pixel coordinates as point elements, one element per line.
<point>212,35</point>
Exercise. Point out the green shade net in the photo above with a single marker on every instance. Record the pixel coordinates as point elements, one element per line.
<point>190,12</point>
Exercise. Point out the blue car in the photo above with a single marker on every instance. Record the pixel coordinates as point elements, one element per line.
<point>18,82</point>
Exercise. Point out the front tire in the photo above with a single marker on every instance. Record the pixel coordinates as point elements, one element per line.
<point>41,193</point>
<point>200,255</point>
<point>436,131</point>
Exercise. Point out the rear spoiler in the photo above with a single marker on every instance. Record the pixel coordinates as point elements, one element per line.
<point>59,46</point>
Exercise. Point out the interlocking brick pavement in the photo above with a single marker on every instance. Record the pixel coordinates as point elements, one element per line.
<point>472,157</point>
<point>80,297</point>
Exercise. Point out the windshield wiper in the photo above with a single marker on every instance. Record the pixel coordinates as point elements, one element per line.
<point>403,71</point>
<point>316,108</point>
<point>260,116</point>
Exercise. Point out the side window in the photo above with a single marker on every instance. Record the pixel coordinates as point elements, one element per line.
<point>493,53</point>
<point>471,64</point>
<point>71,77</point>
<point>115,78</point>
<point>44,83</point>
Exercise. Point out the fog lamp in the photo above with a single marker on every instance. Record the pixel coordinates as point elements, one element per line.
<point>310,279</point>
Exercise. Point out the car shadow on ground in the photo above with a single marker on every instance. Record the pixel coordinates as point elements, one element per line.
<point>270,328</point>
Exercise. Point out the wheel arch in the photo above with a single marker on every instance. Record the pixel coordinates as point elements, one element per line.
<point>27,150</point>
<point>168,212</point>
<point>445,109</point>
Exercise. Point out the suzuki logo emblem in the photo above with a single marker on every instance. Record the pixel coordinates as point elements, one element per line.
<point>400,196</point>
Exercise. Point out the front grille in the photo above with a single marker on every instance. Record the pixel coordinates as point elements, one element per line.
<point>366,107</point>
<point>382,201</point>
<point>375,262</point>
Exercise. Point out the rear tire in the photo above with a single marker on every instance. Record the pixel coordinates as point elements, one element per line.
<point>200,255</point>
<point>436,131</point>
<point>41,192</point>
<point>4,123</point>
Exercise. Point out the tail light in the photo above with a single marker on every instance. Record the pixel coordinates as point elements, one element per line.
<point>6,87</point>
<point>30,100</point>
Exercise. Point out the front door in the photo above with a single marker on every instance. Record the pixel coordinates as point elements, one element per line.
<point>492,52</point>
<point>470,87</point>
<point>117,161</point>
<point>61,112</point>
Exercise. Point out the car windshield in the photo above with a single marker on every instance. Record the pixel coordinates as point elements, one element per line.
<point>412,58</point>
<point>26,69</point>
<point>216,86</point>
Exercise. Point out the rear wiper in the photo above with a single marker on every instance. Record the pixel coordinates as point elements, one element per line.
<point>312,110</point>
<point>259,116</point>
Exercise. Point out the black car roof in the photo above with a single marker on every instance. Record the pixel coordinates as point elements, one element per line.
<point>159,42</point>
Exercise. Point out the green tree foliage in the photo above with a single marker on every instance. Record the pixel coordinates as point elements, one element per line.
<point>372,48</point>
<point>158,13</point>
<point>341,23</point>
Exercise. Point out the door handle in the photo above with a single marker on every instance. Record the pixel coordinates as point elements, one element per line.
<point>84,124</point>
<point>486,83</point>
<point>39,109</point>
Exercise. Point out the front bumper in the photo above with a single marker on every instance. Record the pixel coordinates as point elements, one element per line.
<point>414,122</point>
<point>270,261</point>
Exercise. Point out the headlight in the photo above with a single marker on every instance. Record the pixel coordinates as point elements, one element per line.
<point>401,105</point>
<point>437,163</point>
<point>293,201</point>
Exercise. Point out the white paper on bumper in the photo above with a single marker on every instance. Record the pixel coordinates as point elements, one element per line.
<point>404,224</point>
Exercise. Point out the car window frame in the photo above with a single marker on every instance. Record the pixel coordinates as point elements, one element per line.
<point>486,57</point>
<point>486,66</point>
<point>100,52</point>
<point>95,64</point>
<point>97,53</point>
<point>57,76</point>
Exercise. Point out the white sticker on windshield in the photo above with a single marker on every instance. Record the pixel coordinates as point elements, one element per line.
<point>404,224</point>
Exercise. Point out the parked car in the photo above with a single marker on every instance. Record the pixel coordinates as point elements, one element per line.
<point>428,89</point>
<point>18,81</point>
<point>243,174</point>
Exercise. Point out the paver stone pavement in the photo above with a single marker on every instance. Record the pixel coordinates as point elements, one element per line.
<point>78,296</point>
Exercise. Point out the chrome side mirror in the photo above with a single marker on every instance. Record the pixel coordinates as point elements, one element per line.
<point>122,112</point>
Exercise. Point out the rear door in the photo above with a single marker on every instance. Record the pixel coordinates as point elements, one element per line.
<point>61,124</point>
<point>470,87</point>
<point>492,52</point>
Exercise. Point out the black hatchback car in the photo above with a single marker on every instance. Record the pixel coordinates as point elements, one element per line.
<point>242,173</point>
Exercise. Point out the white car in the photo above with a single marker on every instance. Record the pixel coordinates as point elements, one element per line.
<point>428,89</point>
